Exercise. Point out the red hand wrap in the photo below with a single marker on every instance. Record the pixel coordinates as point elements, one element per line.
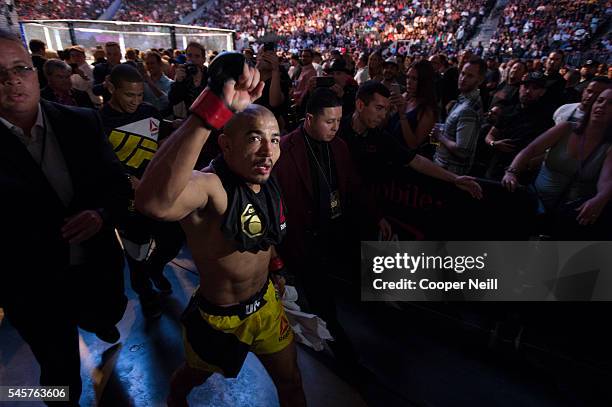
<point>276,264</point>
<point>212,109</point>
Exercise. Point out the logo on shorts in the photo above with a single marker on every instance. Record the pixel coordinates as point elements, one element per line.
<point>282,222</point>
<point>251,308</point>
<point>284,328</point>
<point>251,223</point>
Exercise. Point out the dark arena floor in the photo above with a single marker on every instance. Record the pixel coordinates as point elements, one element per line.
<point>417,357</point>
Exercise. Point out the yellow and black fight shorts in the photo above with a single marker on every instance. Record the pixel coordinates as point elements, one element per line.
<point>217,339</point>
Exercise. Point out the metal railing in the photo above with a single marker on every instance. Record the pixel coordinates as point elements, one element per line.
<point>59,34</point>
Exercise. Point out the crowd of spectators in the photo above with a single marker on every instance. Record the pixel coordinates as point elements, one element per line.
<point>61,9</point>
<point>533,28</point>
<point>156,11</point>
<point>298,24</point>
<point>426,25</point>
<point>422,26</point>
<point>504,107</point>
<point>599,50</point>
<point>131,10</point>
<point>526,29</point>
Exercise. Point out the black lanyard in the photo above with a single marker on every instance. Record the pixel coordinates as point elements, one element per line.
<point>327,181</point>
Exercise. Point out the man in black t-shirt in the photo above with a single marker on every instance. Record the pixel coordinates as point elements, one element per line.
<point>587,73</point>
<point>518,125</point>
<point>506,93</point>
<point>133,129</point>
<point>376,152</point>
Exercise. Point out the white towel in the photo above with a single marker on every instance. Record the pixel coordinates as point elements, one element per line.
<point>309,329</point>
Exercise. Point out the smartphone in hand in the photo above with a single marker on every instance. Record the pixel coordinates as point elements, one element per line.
<point>395,89</point>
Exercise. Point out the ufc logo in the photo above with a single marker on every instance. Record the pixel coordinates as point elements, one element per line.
<point>250,308</point>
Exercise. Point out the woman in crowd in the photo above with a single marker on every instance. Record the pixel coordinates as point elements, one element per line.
<point>575,181</point>
<point>375,66</point>
<point>420,113</point>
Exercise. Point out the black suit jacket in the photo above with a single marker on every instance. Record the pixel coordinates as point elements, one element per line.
<point>35,257</point>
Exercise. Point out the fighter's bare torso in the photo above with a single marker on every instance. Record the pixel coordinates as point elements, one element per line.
<point>227,276</point>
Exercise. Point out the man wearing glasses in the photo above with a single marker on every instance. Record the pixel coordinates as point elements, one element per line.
<point>62,191</point>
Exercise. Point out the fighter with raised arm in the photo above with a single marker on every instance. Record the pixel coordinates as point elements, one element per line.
<point>233,215</point>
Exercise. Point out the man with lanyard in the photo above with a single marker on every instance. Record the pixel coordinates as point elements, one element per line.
<point>319,186</point>
<point>233,216</point>
<point>574,112</point>
<point>132,128</point>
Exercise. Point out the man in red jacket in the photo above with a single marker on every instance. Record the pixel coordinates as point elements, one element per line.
<point>319,187</point>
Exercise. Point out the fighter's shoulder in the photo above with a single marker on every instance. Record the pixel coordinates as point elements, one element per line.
<point>209,182</point>
<point>208,177</point>
<point>210,186</point>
